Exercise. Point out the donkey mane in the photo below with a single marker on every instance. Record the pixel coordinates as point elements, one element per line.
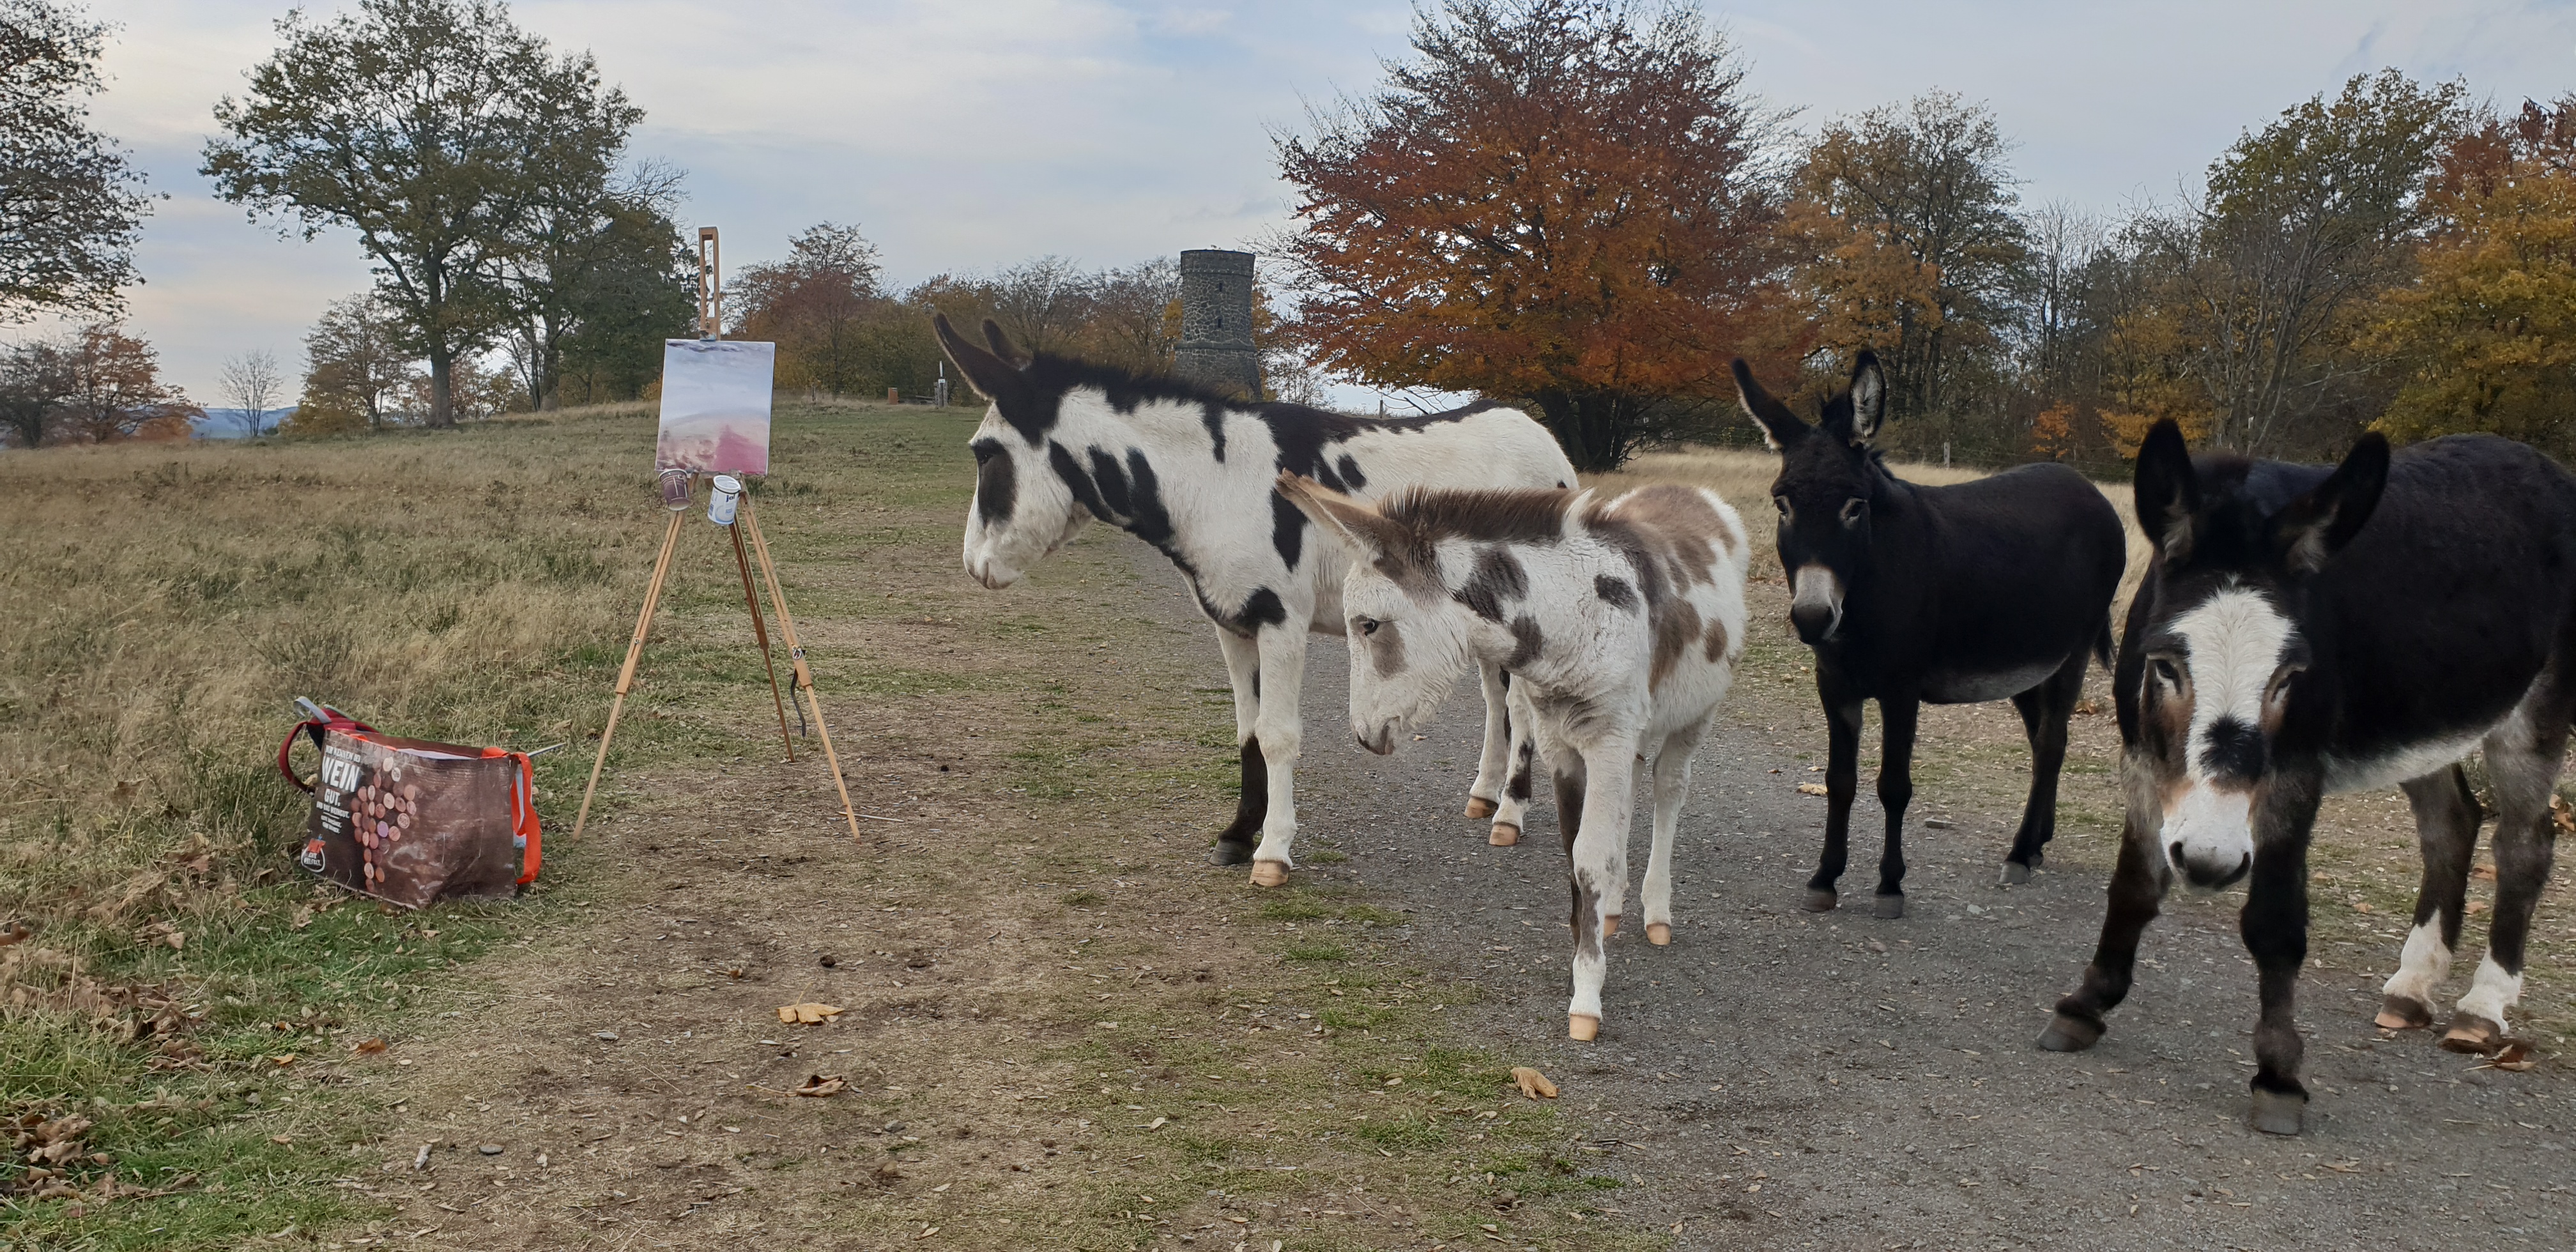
<point>1492,516</point>
<point>1052,377</point>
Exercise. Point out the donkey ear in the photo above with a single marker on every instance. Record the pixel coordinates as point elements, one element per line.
<point>1868,397</point>
<point>1780,427</point>
<point>2311,529</point>
<point>991,376</point>
<point>1002,344</point>
<point>2168,491</point>
<point>1364,530</point>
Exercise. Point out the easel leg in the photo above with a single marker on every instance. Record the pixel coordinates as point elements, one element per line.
<point>796,654</point>
<point>626,673</point>
<point>761,633</point>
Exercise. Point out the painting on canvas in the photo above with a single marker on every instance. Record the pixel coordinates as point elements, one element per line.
<point>715,406</point>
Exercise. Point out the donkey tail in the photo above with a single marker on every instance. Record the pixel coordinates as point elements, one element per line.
<point>2102,642</point>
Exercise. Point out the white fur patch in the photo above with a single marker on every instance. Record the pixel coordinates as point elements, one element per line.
<point>1816,587</point>
<point>2236,640</point>
<point>2209,833</point>
<point>2422,966</point>
<point>2492,992</point>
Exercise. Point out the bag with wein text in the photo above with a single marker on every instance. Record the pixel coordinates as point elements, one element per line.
<point>412,822</point>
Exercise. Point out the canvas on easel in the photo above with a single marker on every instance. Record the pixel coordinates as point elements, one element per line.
<point>715,420</point>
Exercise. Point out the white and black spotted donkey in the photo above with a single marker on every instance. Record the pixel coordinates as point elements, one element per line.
<point>1192,473</point>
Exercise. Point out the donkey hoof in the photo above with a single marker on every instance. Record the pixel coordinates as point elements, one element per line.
<point>1269,874</point>
<point>2016,873</point>
<point>2472,1033</point>
<point>1819,900</point>
<point>2402,1013</point>
<point>2280,1112</point>
<point>1609,925</point>
<point>2069,1034</point>
<point>1479,806</point>
<point>1890,906</point>
<point>1225,853</point>
<point>1582,1027</point>
<point>1659,934</point>
<point>1504,835</point>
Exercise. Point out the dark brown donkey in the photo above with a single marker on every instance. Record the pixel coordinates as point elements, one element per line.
<point>1950,595</point>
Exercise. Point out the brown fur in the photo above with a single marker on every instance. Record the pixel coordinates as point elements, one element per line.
<point>1677,627</point>
<point>1717,640</point>
<point>1482,516</point>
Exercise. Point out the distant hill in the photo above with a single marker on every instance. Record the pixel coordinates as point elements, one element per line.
<point>232,423</point>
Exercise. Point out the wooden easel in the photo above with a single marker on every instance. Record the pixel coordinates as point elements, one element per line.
<point>710,297</point>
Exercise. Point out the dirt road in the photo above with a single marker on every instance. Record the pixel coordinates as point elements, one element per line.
<point>1782,1079</point>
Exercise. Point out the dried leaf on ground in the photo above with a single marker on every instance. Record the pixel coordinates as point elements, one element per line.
<point>368,1046</point>
<point>2515,1055</point>
<point>15,933</point>
<point>1811,789</point>
<point>820,1085</point>
<point>1533,1084</point>
<point>301,918</point>
<point>808,1012</point>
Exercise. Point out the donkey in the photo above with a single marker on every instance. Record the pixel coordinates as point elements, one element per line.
<point>2305,631</point>
<point>1620,621</point>
<point>1951,595</point>
<point>1190,472</point>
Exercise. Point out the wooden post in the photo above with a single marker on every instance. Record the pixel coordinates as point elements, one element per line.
<point>804,679</point>
<point>626,672</point>
<point>710,286</point>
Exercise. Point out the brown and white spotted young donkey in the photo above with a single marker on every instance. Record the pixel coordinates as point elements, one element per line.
<point>1619,620</point>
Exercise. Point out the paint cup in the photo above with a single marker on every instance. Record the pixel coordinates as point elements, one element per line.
<point>724,499</point>
<point>675,490</point>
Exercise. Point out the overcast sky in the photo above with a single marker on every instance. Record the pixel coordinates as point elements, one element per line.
<point>973,133</point>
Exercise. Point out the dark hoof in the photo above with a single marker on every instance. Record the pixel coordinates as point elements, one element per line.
<point>1888,907</point>
<point>2069,1034</point>
<point>2473,1034</point>
<point>2015,873</point>
<point>2401,1013</point>
<point>1230,853</point>
<point>1819,900</point>
<point>2280,1112</point>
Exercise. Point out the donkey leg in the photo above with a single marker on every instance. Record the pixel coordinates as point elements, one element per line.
<point>1842,778</point>
<point>2446,830</point>
<point>1895,791</point>
<point>1495,761</point>
<point>1511,815</point>
<point>2274,924</point>
<point>1243,670</point>
<point>1672,787</point>
<point>2522,763</point>
<point>1595,849</point>
<point>2138,883</point>
<point>1283,675</point>
<point>2044,710</point>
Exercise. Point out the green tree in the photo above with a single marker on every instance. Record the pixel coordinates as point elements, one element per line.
<point>70,205</point>
<point>434,130</point>
<point>355,368</point>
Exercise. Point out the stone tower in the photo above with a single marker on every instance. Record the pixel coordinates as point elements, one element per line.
<point>1216,323</point>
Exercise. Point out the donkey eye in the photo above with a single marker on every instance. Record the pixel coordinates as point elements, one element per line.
<point>2167,674</point>
<point>1854,510</point>
<point>1367,625</point>
<point>1783,502</point>
<point>985,450</point>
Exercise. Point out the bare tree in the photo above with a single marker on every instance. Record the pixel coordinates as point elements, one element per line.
<point>252,382</point>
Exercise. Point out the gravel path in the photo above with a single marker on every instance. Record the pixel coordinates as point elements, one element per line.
<point>1783,1079</point>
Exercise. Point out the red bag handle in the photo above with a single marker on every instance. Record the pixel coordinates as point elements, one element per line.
<point>331,719</point>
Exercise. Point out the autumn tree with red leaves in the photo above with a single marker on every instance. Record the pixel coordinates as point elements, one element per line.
<point>1554,201</point>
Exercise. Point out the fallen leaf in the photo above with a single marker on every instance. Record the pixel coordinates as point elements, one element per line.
<point>282,1061</point>
<point>2361,906</point>
<point>2560,813</point>
<point>821,1085</point>
<point>281,1139</point>
<point>17,932</point>
<point>2515,1056</point>
<point>1533,1084</point>
<point>302,918</point>
<point>1811,789</point>
<point>2476,907</point>
<point>808,1012</point>
<point>368,1046</point>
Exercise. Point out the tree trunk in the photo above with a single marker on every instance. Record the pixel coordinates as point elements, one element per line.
<point>442,386</point>
<point>1596,428</point>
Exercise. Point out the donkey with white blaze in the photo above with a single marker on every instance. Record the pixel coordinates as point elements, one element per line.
<point>1620,622</point>
<point>1191,472</point>
<point>2306,631</point>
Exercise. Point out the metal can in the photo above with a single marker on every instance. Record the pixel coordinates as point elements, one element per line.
<point>724,499</point>
<point>675,490</point>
